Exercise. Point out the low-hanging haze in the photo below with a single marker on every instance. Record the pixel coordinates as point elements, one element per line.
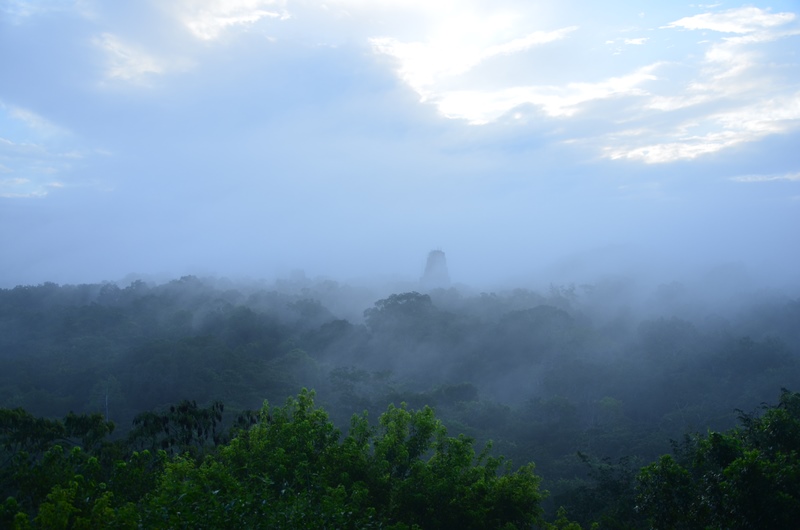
<point>348,138</point>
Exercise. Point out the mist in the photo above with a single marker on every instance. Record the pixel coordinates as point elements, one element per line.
<point>207,202</point>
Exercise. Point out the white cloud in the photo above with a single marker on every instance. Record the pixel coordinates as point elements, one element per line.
<point>723,90</point>
<point>480,107</point>
<point>740,20</point>
<point>672,103</point>
<point>727,129</point>
<point>9,148</point>
<point>33,170</point>
<point>730,103</point>
<point>686,148</point>
<point>127,62</point>
<point>424,65</point>
<point>525,43</point>
<point>727,63</point>
<point>791,177</point>
<point>209,19</point>
<point>21,188</point>
<point>34,121</point>
<point>132,63</point>
<point>25,190</point>
<point>431,68</point>
<point>477,62</point>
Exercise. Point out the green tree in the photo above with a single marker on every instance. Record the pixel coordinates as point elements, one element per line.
<point>183,427</point>
<point>748,477</point>
<point>293,469</point>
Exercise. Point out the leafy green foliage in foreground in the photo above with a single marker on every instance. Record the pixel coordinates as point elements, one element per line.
<point>291,469</point>
<point>748,477</point>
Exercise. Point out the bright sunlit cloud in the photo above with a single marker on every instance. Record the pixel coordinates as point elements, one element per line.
<point>751,110</point>
<point>740,20</point>
<point>481,107</point>
<point>424,65</point>
<point>434,69</point>
<point>209,19</point>
<point>727,129</point>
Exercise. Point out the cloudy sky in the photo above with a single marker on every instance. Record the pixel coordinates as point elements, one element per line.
<point>350,137</point>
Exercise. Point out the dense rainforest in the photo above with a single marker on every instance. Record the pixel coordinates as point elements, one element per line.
<point>184,405</point>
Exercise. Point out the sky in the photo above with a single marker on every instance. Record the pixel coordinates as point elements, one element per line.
<point>531,141</point>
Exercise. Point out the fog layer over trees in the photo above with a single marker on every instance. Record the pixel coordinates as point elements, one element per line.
<point>588,382</point>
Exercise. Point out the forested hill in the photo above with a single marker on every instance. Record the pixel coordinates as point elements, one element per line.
<point>583,382</point>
